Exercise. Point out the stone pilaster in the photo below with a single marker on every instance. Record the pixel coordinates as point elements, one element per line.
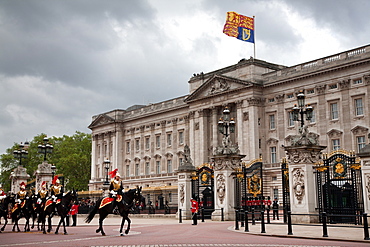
<point>224,166</point>
<point>364,154</point>
<point>302,181</point>
<point>18,176</point>
<point>43,173</point>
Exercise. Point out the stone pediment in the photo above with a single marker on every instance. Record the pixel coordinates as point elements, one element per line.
<point>217,85</point>
<point>102,119</point>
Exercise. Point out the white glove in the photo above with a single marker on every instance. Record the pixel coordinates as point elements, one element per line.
<point>113,193</point>
<point>19,201</point>
<point>54,198</point>
<point>39,201</point>
<point>2,197</point>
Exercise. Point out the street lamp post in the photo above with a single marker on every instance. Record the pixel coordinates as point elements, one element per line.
<point>45,148</point>
<point>226,125</point>
<point>21,153</point>
<point>107,166</point>
<point>302,109</point>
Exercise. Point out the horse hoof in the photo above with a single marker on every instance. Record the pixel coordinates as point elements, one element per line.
<point>122,234</point>
<point>126,231</point>
<point>65,233</point>
<point>56,232</point>
<point>97,230</point>
<point>103,234</point>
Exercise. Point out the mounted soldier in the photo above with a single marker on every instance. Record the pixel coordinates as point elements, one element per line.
<point>115,184</point>
<point>56,190</point>
<point>2,193</point>
<point>42,194</point>
<point>22,194</point>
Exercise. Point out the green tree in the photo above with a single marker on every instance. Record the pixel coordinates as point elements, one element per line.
<point>71,156</point>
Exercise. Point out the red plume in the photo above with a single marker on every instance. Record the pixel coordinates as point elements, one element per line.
<point>113,173</point>
<point>55,179</point>
<point>23,184</point>
<point>43,184</point>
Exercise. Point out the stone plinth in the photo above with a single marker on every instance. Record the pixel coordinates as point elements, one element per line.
<point>302,181</point>
<point>224,166</point>
<point>18,176</point>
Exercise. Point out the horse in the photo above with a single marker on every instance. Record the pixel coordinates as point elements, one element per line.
<point>106,205</point>
<point>7,202</point>
<point>61,208</point>
<point>23,209</point>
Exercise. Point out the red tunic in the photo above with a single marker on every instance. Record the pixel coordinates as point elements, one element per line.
<point>194,206</point>
<point>74,210</point>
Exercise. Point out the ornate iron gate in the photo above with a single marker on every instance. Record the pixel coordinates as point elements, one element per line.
<point>339,187</point>
<point>248,184</point>
<point>285,186</point>
<point>202,188</point>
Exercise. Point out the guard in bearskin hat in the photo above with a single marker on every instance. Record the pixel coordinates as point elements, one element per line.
<point>56,189</point>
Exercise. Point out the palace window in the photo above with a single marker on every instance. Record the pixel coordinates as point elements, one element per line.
<point>128,147</point>
<point>273,154</point>
<point>334,111</point>
<point>158,167</point>
<point>272,121</point>
<point>360,142</point>
<point>147,168</point>
<point>359,110</point>
<point>290,119</point>
<point>147,143</point>
<point>169,139</point>
<point>127,170</point>
<point>181,137</point>
<point>137,144</point>
<point>313,118</point>
<point>169,166</point>
<point>357,81</point>
<point>158,141</point>
<point>335,144</point>
<point>137,170</point>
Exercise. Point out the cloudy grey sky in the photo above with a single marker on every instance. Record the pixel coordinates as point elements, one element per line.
<point>61,62</point>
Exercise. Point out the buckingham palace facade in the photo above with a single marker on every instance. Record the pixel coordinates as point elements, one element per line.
<point>146,142</point>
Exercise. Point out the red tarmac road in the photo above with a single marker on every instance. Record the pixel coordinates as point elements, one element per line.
<point>157,232</point>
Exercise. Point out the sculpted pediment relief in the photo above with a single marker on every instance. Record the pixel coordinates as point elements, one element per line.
<point>217,85</point>
<point>101,120</point>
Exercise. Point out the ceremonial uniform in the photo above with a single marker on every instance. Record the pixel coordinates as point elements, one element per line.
<point>2,194</point>
<point>116,183</point>
<point>194,211</point>
<point>22,194</point>
<point>73,211</point>
<point>275,209</point>
<point>56,190</point>
<point>42,193</point>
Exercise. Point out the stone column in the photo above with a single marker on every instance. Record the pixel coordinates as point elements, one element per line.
<point>224,166</point>
<point>18,176</point>
<point>364,154</point>
<point>301,159</point>
<point>184,184</point>
<point>43,173</point>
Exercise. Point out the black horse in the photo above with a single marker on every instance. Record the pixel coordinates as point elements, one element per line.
<point>23,210</point>
<point>4,209</point>
<point>61,208</point>
<point>124,206</point>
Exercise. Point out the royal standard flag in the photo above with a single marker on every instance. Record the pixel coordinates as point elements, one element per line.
<point>239,26</point>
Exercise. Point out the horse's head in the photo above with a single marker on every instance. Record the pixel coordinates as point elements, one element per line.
<point>137,193</point>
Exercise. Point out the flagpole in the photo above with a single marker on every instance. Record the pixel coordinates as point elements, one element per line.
<point>254,30</point>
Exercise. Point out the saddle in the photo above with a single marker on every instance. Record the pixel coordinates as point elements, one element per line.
<point>108,200</point>
<point>50,201</point>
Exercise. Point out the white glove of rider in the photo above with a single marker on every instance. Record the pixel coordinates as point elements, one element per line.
<point>113,193</point>
<point>19,201</point>
<point>39,201</point>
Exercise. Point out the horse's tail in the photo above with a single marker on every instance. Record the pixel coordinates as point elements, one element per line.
<point>92,213</point>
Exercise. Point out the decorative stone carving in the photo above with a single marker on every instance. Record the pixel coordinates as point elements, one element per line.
<point>187,164</point>
<point>320,89</point>
<point>305,138</point>
<point>359,130</point>
<point>279,98</point>
<point>227,163</point>
<point>182,193</point>
<point>304,155</point>
<point>219,85</point>
<point>221,187</point>
<point>298,184</point>
<point>254,101</point>
<point>245,116</point>
<point>196,126</point>
<point>367,79</point>
<point>344,84</point>
<point>334,133</point>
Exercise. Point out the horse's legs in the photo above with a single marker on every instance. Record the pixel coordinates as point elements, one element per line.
<point>6,222</point>
<point>27,224</point>
<point>122,223</point>
<point>101,219</point>
<point>129,224</point>
<point>49,224</point>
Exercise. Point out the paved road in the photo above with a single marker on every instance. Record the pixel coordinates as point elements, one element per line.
<point>161,232</point>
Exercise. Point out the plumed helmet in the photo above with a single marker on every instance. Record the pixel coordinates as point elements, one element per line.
<point>114,173</point>
<point>23,185</point>
<point>56,180</point>
<point>43,185</point>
